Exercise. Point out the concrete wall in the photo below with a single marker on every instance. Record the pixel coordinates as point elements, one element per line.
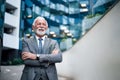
<point>97,55</point>
<point>12,20</point>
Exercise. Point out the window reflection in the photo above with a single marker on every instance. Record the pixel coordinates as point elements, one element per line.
<point>68,20</point>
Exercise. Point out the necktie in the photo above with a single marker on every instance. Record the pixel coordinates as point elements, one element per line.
<point>40,45</point>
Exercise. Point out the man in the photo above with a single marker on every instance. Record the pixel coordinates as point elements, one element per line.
<point>40,54</point>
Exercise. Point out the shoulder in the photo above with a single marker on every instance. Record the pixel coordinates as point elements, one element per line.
<point>52,40</point>
<point>28,39</point>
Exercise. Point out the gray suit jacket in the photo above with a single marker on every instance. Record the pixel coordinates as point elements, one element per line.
<point>46,59</point>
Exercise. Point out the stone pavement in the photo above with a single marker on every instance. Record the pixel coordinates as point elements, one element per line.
<point>11,72</point>
<point>14,73</point>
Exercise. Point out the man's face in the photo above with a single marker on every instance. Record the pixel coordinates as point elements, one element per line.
<point>40,27</point>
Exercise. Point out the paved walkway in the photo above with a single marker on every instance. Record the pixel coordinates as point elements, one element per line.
<point>14,73</point>
<point>11,72</point>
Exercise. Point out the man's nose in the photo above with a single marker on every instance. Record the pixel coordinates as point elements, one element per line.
<point>41,26</point>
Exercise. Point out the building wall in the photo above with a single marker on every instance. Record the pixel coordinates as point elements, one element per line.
<point>11,24</point>
<point>97,55</point>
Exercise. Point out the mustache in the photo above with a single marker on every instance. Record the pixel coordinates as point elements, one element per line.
<point>41,29</point>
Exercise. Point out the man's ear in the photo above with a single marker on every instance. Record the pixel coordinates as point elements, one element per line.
<point>33,28</point>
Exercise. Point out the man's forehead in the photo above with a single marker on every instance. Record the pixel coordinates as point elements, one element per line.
<point>41,20</point>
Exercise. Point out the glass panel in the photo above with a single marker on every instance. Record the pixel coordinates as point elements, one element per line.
<point>70,21</point>
<point>2,11</point>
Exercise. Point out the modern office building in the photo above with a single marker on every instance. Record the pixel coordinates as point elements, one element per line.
<point>11,29</point>
<point>94,57</point>
<point>66,19</point>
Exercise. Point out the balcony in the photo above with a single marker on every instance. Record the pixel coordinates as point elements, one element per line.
<point>12,22</point>
<point>10,41</point>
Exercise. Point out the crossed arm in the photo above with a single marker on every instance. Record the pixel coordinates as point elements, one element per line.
<point>44,59</point>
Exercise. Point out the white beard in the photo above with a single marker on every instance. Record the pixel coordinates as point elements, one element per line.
<point>39,32</point>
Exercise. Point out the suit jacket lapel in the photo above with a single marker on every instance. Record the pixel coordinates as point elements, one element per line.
<point>46,45</point>
<point>35,45</point>
<point>45,48</point>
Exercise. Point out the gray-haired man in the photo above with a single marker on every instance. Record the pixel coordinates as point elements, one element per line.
<point>40,54</point>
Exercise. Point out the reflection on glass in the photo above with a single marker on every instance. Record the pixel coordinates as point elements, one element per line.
<point>68,20</point>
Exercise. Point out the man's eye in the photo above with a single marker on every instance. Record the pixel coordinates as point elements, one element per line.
<point>44,24</point>
<point>39,23</point>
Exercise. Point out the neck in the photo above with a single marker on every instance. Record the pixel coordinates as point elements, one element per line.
<point>40,35</point>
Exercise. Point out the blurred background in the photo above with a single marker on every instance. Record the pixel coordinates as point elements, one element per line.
<point>68,21</point>
<point>92,26</point>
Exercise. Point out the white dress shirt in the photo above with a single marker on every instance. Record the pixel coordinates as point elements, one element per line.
<point>43,40</point>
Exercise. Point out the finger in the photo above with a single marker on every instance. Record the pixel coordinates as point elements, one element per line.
<point>25,57</point>
<point>53,51</point>
<point>56,51</point>
<point>23,53</point>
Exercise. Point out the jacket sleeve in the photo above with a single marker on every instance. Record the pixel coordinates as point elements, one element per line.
<point>35,63</point>
<point>52,58</point>
<point>30,62</point>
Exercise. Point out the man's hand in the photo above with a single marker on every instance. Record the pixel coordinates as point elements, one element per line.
<point>28,55</point>
<point>55,51</point>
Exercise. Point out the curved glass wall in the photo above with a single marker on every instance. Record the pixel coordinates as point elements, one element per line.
<point>68,20</point>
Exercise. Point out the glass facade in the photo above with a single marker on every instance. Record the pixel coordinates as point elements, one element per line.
<point>97,8</point>
<point>68,19</point>
<point>63,17</point>
<point>2,11</point>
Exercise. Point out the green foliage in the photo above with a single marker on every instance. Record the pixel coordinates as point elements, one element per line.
<point>15,61</point>
<point>91,16</point>
<point>98,14</point>
<point>9,62</point>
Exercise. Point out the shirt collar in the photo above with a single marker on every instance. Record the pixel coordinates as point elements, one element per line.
<point>43,38</point>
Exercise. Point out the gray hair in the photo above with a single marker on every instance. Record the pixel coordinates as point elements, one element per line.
<point>39,17</point>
